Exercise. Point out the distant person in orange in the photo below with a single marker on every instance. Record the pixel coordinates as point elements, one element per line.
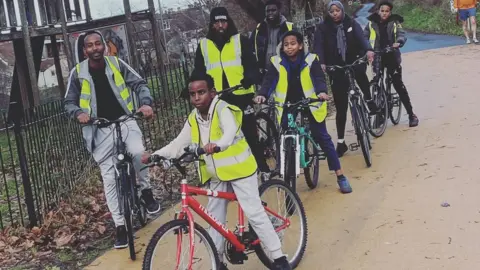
<point>467,10</point>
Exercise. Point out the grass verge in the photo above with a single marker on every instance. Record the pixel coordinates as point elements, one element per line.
<point>431,19</point>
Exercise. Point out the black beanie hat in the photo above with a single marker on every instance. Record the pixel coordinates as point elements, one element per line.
<point>218,13</point>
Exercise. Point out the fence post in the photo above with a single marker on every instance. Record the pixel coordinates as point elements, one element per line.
<point>18,114</point>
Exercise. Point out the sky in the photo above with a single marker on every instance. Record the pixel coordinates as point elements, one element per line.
<point>106,8</point>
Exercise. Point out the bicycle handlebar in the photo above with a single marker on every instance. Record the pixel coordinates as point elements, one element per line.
<point>229,90</point>
<point>387,49</point>
<point>359,61</point>
<point>191,154</point>
<point>302,103</point>
<point>106,122</point>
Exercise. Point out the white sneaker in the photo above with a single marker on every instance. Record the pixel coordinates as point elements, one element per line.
<point>468,41</point>
<point>475,40</point>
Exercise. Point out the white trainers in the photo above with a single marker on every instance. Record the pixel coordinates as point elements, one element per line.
<point>475,40</point>
<point>468,41</point>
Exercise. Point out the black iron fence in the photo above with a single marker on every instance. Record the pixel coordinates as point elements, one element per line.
<point>42,153</point>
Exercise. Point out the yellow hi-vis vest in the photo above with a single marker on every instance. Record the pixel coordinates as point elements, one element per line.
<point>229,60</point>
<point>373,34</point>
<point>319,110</point>
<point>235,162</point>
<point>289,27</point>
<point>86,90</point>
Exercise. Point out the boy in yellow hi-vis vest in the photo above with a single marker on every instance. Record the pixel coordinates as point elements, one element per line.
<point>215,123</point>
<point>294,75</point>
<point>385,29</point>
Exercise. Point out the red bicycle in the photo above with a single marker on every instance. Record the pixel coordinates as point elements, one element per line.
<point>160,253</point>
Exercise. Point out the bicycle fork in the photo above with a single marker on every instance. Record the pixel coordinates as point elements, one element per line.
<point>296,139</point>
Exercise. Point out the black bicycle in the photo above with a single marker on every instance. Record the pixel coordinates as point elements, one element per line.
<point>268,135</point>
<point>129,199</point>
<point>358,109</point>
<point>383,96</point>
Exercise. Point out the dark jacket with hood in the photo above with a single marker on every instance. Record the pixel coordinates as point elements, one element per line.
<point>294,69</point>
<point>388,28</point>
<point>259,39</point>
<point>250,74</point>
<point>326,42</point>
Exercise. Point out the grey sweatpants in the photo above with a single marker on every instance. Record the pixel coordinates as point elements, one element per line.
<point>104,154</point>
<point>249,199</point>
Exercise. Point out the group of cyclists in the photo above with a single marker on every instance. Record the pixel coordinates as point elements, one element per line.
<point>273,63</point>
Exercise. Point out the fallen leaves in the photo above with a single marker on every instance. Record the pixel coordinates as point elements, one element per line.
<point>75,224</point>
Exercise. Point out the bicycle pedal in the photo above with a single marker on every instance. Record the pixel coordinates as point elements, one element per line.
<point>354,147</point>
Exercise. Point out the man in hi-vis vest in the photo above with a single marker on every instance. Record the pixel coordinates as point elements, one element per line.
<point>266,37</point>
<point>227,56</point>
<point>100,87</point>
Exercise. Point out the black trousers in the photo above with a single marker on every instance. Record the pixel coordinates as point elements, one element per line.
<point>340,85</point>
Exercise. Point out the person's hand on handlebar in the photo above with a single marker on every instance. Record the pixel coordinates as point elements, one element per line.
<point>210,148</point>
<point>147,111</point>
<point>323,96</point>
<point>259,99</point>
<point>145,158</point>
<point>83,118</point>
<point>370,56</point>
<point>396,45</point>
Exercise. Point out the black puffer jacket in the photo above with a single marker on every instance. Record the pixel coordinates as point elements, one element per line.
<point>326,42</point>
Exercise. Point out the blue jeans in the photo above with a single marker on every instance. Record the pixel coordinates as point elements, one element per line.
<point>464,14</point>
<point>321,136</point>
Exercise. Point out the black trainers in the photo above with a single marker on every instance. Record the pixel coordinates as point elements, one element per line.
<point>413,120</point>
<point>281,264</point>
<point>151,204</point>
<point>341,149</point>
<point>121,240</point>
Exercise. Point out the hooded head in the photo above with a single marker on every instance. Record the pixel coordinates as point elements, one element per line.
<point>336,11</point>
<point>221,24</point>
<point>94,45</point>
<point>385,10</point>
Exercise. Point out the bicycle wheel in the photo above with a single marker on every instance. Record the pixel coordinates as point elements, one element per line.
<point>394,104</point>
<point>378,122</point>
<point>268,138</point>
<point>140,210</point>
<point>289,174</point>
<point>158,252</point>
<point>361,132</point>
<point>128,214</point>
<point>298,222</point>
<point>311,172</point>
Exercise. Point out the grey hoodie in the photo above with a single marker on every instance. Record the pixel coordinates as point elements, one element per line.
<point>273,39</point>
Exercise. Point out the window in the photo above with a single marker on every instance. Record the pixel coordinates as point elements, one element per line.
<point>166,25</point>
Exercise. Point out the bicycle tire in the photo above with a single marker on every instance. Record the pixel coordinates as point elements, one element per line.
<point>289,175</point>
<point>361,133</point>
<point>129,225</point>
<point>295,260</point>
<point>141,210</point>
<point>380,99</point>
<point>181,223</point>
<point>312,180</point>
<point>393,101</point>
<point>273,139</point>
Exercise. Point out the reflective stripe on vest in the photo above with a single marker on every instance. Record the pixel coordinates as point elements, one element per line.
<point>235,162</point>
<point>319,110</point>
<point>86,91</point>
<point>229,60</point>
<point>373,34</point>
<point>289,28</point>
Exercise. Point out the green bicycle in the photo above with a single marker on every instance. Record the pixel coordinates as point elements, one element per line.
<point>298,150</point>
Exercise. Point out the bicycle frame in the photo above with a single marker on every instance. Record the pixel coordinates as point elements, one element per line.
<point>299,134</point>
<point>188,202</point>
